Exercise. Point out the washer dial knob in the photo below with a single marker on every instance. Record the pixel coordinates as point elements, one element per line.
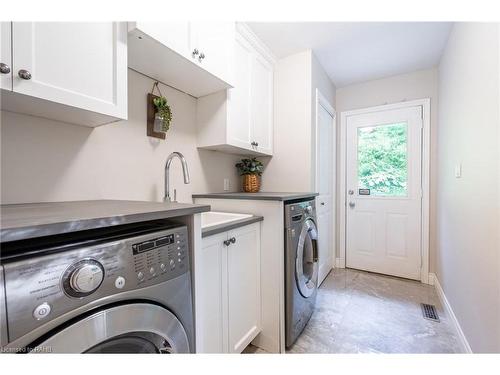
<point>83,278</point>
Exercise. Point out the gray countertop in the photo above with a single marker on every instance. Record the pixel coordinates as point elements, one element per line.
<point>23,221</point>
<point>210,231</point>
<point>271,196</point>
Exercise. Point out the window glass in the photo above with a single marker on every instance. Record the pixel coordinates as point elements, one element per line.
<point>383,160</point>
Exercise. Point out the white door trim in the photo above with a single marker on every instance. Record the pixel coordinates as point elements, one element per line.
<point>321,100</point>
<point>426,104</point>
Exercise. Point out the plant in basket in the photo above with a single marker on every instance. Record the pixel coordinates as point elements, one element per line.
<point>251,170</point>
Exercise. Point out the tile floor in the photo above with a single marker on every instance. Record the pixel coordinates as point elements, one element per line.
<point>362,312</point>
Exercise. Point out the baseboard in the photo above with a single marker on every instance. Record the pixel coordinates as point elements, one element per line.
<point>433,280</point>
<point>339,263</point>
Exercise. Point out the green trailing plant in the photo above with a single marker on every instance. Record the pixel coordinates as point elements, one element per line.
<point>164,112</point>
<point>250,166</point>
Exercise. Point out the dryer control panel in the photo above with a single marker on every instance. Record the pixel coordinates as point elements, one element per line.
<point>41,288</point>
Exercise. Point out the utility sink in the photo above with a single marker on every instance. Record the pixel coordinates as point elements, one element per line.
<point>212,218</point>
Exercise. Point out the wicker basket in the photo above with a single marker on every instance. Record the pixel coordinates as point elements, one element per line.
<point>251,183</point>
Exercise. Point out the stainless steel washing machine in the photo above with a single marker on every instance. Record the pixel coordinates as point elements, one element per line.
<point>119,290</point>
<point>301,258</point>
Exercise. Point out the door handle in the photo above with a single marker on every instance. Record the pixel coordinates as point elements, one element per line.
<point>352,204</point>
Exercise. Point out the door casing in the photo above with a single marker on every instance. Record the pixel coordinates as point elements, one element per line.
<point>425,104</point>
<point>322,101</point>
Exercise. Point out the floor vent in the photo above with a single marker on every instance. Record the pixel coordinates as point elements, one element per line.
<point>429,312</point>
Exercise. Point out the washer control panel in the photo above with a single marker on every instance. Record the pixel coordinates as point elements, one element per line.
<point>41,288</point>
<point>159,256</point>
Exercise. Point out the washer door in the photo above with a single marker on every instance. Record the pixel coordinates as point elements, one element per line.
<point>133,328</point>
<point>306,259</point>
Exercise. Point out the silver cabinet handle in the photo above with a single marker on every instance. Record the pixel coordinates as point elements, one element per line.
<point>195,52</point>
<point>233,240</point>
<point>202,56</point>
<point>4,68</point>
<point>352,204</point>
<point>24,74</point>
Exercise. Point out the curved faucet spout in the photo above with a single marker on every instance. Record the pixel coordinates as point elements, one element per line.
<point>185,172</point>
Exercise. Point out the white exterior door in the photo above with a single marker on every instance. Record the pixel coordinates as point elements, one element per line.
<point>5,56</point>
<point>384,192</point>
<point>79,64</point>
<point>325,183</point>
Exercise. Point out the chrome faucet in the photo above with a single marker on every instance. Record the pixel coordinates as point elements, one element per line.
<point>167,173</point>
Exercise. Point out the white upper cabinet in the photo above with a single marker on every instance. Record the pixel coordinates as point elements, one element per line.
<point>240,120</point>
<point>193,57</point>
<point>5,56</point>
<point>173,34</point>
<point>213,41</point>
<point>69,71</point>
<point>262,105</point>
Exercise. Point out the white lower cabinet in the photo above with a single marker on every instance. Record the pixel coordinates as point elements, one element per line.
<point>227,290</point>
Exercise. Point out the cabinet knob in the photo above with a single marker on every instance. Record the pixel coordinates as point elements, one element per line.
<point>4,68</point>
<point>24,74</point>
<point>255,143</point>
<point>195,52</point>
<point>233,240</point>
<point>202,56</point>
<point>227,242</point>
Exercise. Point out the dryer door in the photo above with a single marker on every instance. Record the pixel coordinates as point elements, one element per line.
<point>306,261</point>
<point>132,328</point>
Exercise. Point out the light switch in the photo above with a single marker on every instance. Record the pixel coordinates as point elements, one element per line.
<point>458,170</point>
<point>227,186</point>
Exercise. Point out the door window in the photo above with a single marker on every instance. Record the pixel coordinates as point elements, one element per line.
<point>383,160</point>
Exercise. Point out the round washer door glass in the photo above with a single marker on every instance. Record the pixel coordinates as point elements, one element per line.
<point>306,261</point>
<point>133,343</point>
<point>132,328</point>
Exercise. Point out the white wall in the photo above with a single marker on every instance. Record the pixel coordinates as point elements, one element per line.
<point>395,89</point>
<point>468,210</point>
<point>44,160</point>
<point>292,166</point>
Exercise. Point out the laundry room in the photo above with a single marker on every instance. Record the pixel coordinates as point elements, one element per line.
<point>268,185</point>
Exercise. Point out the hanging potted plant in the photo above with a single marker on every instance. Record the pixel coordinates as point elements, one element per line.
<point>163,114</point>
<point>251,170</point>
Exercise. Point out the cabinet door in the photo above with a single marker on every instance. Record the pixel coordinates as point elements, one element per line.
<point>79,64</point>
<point>244,307</point>
<point>173,34</point>
<point>214,42</point>
<point>5,55</point>
<point>210,302</point>
<point>262,104</point>
<point>238,131</point>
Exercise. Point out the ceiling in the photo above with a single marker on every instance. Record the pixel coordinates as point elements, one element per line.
<point>352,52</point>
